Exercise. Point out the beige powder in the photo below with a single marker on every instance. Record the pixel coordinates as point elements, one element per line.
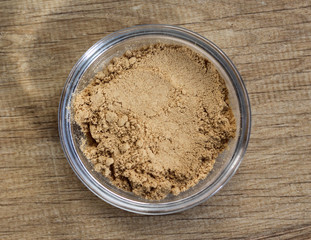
<point>155,119</point>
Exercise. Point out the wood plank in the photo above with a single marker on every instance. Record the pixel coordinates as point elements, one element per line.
<point>268,198</point>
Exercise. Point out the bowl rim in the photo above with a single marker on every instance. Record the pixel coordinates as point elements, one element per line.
<point>142,207</point>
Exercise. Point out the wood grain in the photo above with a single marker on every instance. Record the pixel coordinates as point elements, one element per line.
<point>270,195</point>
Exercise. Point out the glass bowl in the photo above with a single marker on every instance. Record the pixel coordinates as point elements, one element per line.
<point>100,55</point>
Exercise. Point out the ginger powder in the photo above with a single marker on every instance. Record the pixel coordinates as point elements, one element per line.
<point>155,120</point>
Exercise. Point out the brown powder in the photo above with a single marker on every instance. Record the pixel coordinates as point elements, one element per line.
<point>156,120</point>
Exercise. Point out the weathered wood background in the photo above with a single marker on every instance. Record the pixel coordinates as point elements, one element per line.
<point>268,198</point>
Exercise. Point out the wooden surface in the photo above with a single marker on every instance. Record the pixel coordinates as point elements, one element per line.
<point>270,195</point>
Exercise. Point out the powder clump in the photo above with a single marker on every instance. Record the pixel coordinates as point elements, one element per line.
<point>155,120</point>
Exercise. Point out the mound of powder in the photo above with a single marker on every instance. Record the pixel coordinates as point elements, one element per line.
<point>155,120</point>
